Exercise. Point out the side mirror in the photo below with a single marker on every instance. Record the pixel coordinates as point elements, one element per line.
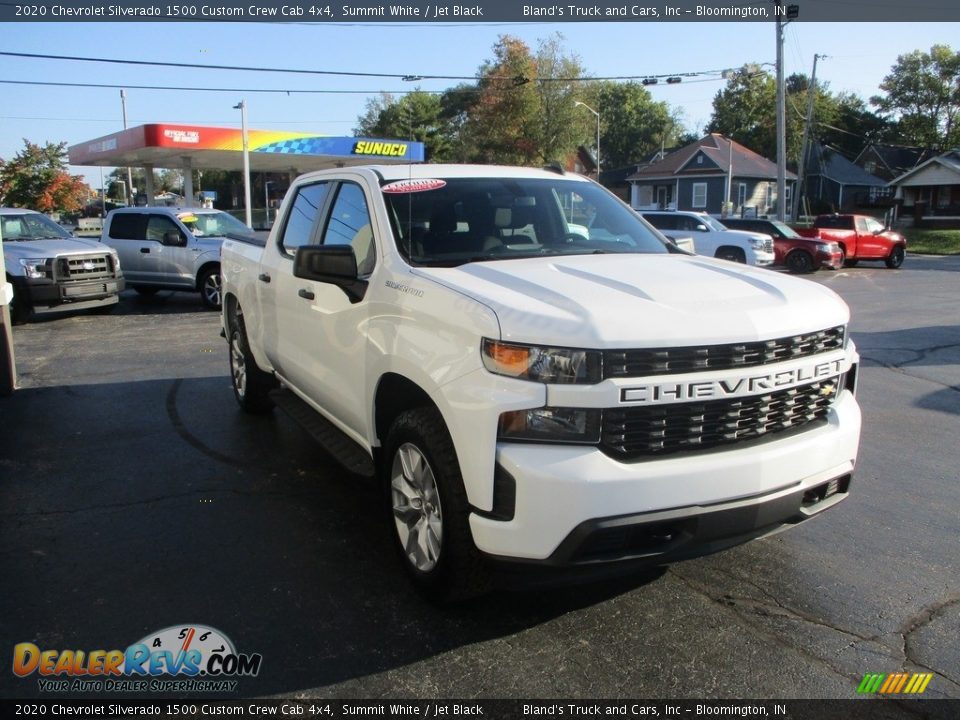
<point>701,227</point>
<point>332,264</point>
<point>174,239</point>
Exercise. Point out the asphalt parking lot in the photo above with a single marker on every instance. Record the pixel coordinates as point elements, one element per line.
<point>135,496</point>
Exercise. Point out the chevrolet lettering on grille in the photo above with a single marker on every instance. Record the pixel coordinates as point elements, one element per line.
<point>734,386</point>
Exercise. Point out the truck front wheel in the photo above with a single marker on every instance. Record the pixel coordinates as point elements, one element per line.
<point>429,509</point>
<point>210,287</point>
<point>895,258</point>
<point>800,262</point>
<point>251,385</point>
<point>732,254</point>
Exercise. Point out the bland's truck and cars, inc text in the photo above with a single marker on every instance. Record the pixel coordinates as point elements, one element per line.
<point>536,376</point>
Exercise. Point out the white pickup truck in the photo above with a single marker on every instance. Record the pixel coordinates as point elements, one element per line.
<point>534,374</point>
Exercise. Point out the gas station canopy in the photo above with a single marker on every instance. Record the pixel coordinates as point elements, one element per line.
<point>163,145</point>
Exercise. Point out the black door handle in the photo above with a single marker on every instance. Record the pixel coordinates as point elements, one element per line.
<point>306,294</point>
<point>263,277</point>
<point>145,251</point>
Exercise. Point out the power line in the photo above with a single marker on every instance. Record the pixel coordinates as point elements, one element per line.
<point>350,73</point>
<point>215,89</point>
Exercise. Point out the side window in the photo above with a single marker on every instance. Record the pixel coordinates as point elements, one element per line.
<point>349,224</point>
<point>699,195</point>
<point>127,226</point>
<point>662,222</point>
<point>303,215</point>
<point>158,226</point>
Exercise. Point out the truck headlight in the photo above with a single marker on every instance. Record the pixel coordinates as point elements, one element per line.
<point>35,268</point>
<point>541,364</point>
<point>758,243</point>
<point>116,260</point>
<point>551,424</point>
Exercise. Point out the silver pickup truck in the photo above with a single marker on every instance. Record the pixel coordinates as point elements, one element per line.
<point>51,270</point>
<point>172,248</point>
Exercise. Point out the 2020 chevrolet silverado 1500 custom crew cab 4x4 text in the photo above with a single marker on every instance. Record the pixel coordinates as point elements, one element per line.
<point>51,270</point>
<point>531,391</point>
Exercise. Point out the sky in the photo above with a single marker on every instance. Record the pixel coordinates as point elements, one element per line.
<point>860,55</point>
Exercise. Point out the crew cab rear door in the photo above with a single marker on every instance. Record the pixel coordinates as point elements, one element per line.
<point>321,342</point>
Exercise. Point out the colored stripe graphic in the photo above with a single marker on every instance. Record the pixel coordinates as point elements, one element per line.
<point>870,683</point>
<point>894,683</point>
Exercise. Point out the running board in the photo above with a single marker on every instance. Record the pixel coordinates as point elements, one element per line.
<point>337,443</point>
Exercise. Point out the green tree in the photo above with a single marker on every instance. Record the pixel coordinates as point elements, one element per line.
<point>502,121</point>
<point>558,126</point>
<point>922,93</point>
<point>745,110</point>
<point>416,116</point>
<point>632,124</point>
<point>37,178</point>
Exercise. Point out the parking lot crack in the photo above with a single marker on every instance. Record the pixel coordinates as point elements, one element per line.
<point>189,437</point>
<point>743,607</point>
<point>900,366</point>
<point>921,620</point>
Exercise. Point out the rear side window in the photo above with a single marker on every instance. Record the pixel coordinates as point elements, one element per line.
<point>303,216</point>
<point>127,226</point>
<point>662,222</point>
<point>349,224</point>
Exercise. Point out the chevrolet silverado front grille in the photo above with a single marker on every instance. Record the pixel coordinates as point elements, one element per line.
<point>644,432</point>
<point>665,361</point>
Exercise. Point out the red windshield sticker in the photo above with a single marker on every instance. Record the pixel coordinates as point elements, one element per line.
<point>412,186</point>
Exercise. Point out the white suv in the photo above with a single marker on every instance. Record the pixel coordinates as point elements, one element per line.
<point>710,237</point>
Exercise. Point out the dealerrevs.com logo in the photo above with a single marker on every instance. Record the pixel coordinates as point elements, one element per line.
<point>180,658</point>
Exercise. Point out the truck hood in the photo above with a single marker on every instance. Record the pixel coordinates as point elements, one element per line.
<point>52,248</point>
<point>606,301</point>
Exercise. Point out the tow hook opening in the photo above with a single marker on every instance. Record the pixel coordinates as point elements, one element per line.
<point>821,492</point>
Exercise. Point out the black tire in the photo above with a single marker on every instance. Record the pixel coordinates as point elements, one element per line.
<point>800,262</point>
<point>896,257</point>
<point>146,290</point>
<point>209,286</point>
<point>251,385</point>
<point>732,254</point>
<point>450,568</point>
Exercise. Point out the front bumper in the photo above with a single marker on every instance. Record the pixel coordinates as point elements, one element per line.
<point>566,497</point>
<point>763,258</point>
<point>831,261</point>
<point>50,296</point>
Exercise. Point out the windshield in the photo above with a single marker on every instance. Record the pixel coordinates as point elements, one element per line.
<point>458,220</point>
<point>785,230</point>
<point>711,223</point>
<point>214,224</point>
<point>30,226</point>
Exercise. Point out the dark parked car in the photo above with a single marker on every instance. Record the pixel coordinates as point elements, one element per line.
<point>790,250</point>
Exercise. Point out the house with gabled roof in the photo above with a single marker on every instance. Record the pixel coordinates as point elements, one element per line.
<point>932,189</point>
<point>890,161</point>
<point>832,183</point>
<point>705,175</point>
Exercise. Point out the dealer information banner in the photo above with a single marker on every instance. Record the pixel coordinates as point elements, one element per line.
<point>483,11</point>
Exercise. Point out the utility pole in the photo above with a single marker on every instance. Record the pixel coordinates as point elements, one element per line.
<point>801,169</point>
<point>242,107</point>
<point>123,103</point>
<point>781,115</point>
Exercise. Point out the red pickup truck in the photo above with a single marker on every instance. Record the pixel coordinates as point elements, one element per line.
<point>860,237</point>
